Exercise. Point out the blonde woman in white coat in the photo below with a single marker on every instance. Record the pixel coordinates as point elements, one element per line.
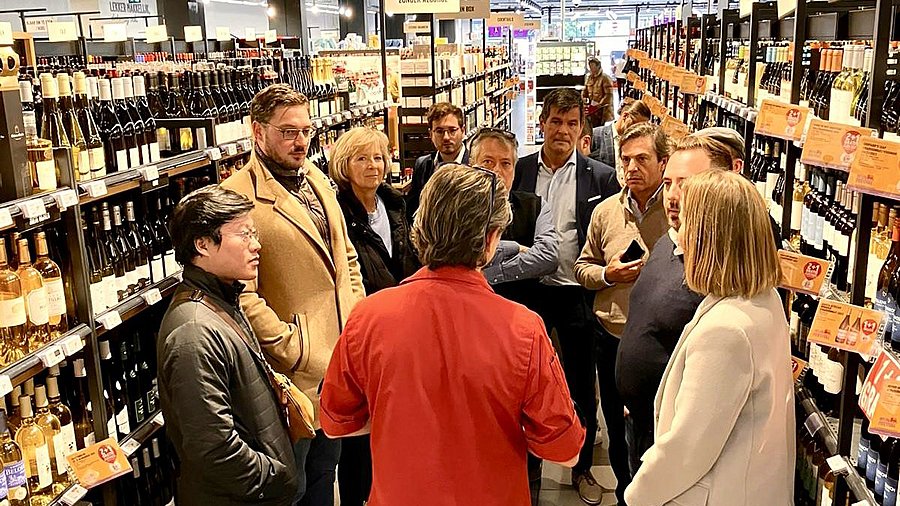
<point>725,408</point>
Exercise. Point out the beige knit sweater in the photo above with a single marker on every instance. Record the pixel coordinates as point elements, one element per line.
<point>613,227</point>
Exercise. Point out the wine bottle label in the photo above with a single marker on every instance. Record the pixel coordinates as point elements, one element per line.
<point>122,422</point>
<point>29,121</point>
<point>12,312</point>
<point>880,475</point>
<point>112,298</point>
<point>139,412</point>
<point>895,319</point>
<point>890,491</point>
<point>156,268</point>
<point>89,439</point>
<point>98,162</point>
<point>57,297</point>
<point>171,265</point>
<point>112,429</point>
<point>826,499</point>
<point>134,157</point>
<point>36,305</point>
<point>834,378</point>
<point>143,274</point>
<point>98,297</point>
<point>862,450</point>
<point>63,446</point>
<point>162,139</point>
<point>151,401</point>
<point>15,479</point>
<point>186,139</point>
<point>42,461</point>
<point>871,465</point>
<point>132,278</point>
<point>84,163</point>
<point>4,490</point>
<point>145,153</point>
<point>154,151</point>
<point>122,160</point>
<point>46,175</point>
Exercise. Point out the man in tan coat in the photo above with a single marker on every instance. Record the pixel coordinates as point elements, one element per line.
<point>309,280</point>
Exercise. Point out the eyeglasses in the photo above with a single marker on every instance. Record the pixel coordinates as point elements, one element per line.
<point>291,134</point>
<point>506,134</point>
<point>245,235</point>
<point>493,177</point>
<point>440,132</point>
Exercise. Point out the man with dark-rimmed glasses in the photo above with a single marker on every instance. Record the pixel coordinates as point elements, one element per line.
<point>310,279</point>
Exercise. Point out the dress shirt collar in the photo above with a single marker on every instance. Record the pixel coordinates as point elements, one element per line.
<point>633,204</point>
<point>459,158</point>
<point>572,161</point>
<point>674,236</point>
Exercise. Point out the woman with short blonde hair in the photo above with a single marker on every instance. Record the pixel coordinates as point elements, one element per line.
<point>725,408</point>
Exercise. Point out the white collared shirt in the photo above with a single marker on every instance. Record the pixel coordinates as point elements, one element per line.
<point>620,169</point>
<point>558,189</point>
<point>438,161</point>
<point>674,236</point>
<point>636,209</point>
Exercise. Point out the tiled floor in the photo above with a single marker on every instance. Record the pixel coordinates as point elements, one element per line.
<point>556,487</point>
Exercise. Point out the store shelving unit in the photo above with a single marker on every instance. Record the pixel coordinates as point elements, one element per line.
<point>559,65</point>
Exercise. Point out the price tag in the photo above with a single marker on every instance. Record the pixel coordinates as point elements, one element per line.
<point>152,296</point>
<point>61,31</point>
<point>813,424</point>
<point>95,188</point>
<point>193,33</point>
<point>832,145</point>
<point>885,369</point>
<point>214,153</point>
<point>874,169</point>
<point>75,494</point>
<point>149,173</point>
<point>5,385</point>
<point>783,121</point>
<point>250,34</point>
<point>6,37</point>
<point>347,115</point>
<point>33,208</point>
<point>847,327</point>
<point>675,128</point>
<point>72,345</point>
<point>693,84</point>
<point>65,199</point>
<point>786,7</point>
<point>5,218</point>
<point>156,33</point>
<point>838,464</point>
<point>802,273</point>
<point>245,144</point>
<point>100,463</point>
<point>110,320</point>
<point>131,446</point>
<point>51,355</point>
<point>114,32</point>
<point>270,36</point>
<point>223,33</point>
<point>159,420</point>
<point>885,419</point>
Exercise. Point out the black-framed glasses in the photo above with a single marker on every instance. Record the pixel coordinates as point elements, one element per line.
<point>291,134</point>
<point>493,176</point>
<point>506,134</point>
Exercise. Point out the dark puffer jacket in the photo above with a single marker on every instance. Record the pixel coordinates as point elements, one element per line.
<point>380,270</point>
<point>221,414</point>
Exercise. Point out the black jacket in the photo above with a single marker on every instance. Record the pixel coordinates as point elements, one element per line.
<point>380,270</point>
<point>422,172</point>
<point>594,182</point>
<point>220,410</point>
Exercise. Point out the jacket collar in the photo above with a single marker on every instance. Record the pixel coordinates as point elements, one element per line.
<point>393,201</point>
<point>195,277</point>
<point>452,274</point>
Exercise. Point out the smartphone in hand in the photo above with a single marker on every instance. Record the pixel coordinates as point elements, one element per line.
<point>634,252</point>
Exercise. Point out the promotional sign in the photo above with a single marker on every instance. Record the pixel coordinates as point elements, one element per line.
<point>693,84</point>
<point>783,121</point>
<point>675,128</point>
<point>157,33</point>
<point>417,27</point>
<point>632,76</point>
<point>250,34</point>
<point>61,31</point>
<point>532,24</point>
<point>746,7</point>
<point>846,327</point>
<point>469,9</point>
<point>801,273</point>
<point>270,36</point>
<point>786,7</point>
<point>884,374</point>
<point>37,26</point>
<point>797,367</point>
<point>832,145</point>
<point>223,33</point>
<point>6,37</point>
<point>99,463</point>
<point>504,19</point>
<point>193,33</point>
<point>875,168</point>
<point>114,32</point>
<point>421,6</point>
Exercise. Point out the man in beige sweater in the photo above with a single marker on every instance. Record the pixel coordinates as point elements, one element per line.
<point>635,214</point>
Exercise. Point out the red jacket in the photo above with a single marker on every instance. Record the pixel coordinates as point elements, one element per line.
<point>458,384</point>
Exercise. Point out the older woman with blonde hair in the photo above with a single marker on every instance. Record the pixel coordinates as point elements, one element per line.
<point>376,224</point>
<point>725,408</point>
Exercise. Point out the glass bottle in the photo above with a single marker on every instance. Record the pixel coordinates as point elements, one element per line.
<point>82,416</point>
<point>30,438</point>
<point>13,466</point>
<point>12,313</point>
<point>56,293</point>
<point>80,154</point>
<point>140,133</point>
<point>89,128</point>
<point>37,328</point>
<point>65,443</point>
<point>52,428</point>
<point>151,139</point>
<point>129,130</point>
<point>116,151</point>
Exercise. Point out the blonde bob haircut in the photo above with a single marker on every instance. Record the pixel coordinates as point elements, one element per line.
<point>449,226</point>
<point>727,238</point>
<point>350,145</point>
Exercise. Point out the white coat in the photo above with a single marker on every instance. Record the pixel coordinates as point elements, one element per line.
<point>725,433</point>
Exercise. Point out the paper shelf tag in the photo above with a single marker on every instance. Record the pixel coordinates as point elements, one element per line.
<point>130,446</point>
<point>110,320</point>
<point>152,296</point>
<point>230,149</point>
<point>193,33</point>
<point>159,420</point>
<point>33,208</point>
<point>95,188</point>
<point>245,144</point>
<point>813,424</point>
<point>149,173</point>
<point>51,355</point>
<point>65,199</point>
<point>214,154</point>
<point>5,218</point>
<point>838,464</point>
<point>5,385</point>
<point>72,345</point>
<point>75,494</point>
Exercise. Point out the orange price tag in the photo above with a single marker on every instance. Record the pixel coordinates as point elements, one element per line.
<point>783,121</point>
<point>675,128</point>
<point>832,145</point>
<point>846,327</point>
<point>640,85</point>
<point>802,273</point>
<point>644,63</point>
<point>693,84</point>
<point>797,367</point>
<point>886,417</point>
<point>632,76</point>
<point>678,74</point>
<point>885,372</point>
<point>99,463</point>
<point>876,168</point>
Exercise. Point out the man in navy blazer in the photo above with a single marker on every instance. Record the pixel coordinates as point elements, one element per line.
<point>573,185</point>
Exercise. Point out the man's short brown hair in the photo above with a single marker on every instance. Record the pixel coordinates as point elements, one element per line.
<point>636,108</point>
<point>264,104</point>
<point>439,110</point>
<point>655,133</point>
<point>564,100</point>
<point>720,155</point>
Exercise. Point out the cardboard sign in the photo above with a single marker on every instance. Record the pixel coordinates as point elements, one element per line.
<point>532,24</point>
<point>469,9</point>
<point>832,145</point>
<point>421,6</point>
<point>797,367</point>
<point>193,33</point>
<point>62,31</point>
<point>6,37</point>
<point>677,75</point>
<point>417,27</point>
<point>99,463</point>
<point>640,85</point>
<point>782,121</point>
<point>115,32</point>
<point>886,371</point>
<point>223,33</point>
<point>801,273</point>
<point>644,63</point>
<point>876,168</point>
<point>886,417</point>
<point>846,327</point>
<point>693,84</point>
<point>157,33</point>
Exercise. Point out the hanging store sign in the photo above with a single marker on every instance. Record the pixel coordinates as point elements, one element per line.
<point>786,7</point>
<point>469,9</point>
<point>692,84</point>
<point>832,145</point>
<point>193,33</point>
<point>675,128</point>
<point>876,168</point>
<point>505,19</point>
<point>879,398</point>
<point>115,32</point>
<point>782,121</point>
<point>847,327</point>
<point>37,26</point>
<point>746,7</point>
<point>157,33</point>
<point>421,6</point>
<point>6,37</point>
<point>62,31</point>
<point>532,24</point>
<point>250,34</point>
<point>801,273</point>
<point>632,76</point>
<point>223,33</point>
<point>270,36</point>
<point>417,27</point>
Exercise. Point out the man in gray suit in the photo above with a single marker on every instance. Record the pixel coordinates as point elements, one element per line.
<point>605,144</point>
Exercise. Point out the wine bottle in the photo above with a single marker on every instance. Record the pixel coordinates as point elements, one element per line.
<point>137,407</point>
<point>115,148</point>
<point>881,468</point>
<point>13,315</point>
<point>89,128</point>
<point>126,253</point>
<point>15,417</point>
<point>872,457</point>
<point>890,481</point>
<point>116,259</point>
<point>117,425</point>
<point>82,416</point>
<point>139,248</point>
<point>65,443</point>
<point>160,477</point>
<point>13,466</point>
<point>146,377</point>
<point>29,119</point>
<point>151,139</point>
<point>162,238</point>
<point>56,293</point>
<point>30,438</point>
<point>81,156</point>
<point>129,131</point>
<point>37,328</point>
<point>46,174</point>
<point>140,134</point>
<point>52,428</point>
<point>156,102</point>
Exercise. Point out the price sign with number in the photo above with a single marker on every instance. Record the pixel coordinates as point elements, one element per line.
<point>152,296</point>
<point>5,385</point>
<point>110,320</point>
<point>99,463</point>
<point>832,145</point>
<point>65,199</point>
<point>193,33</point>
<point>783,121</point>
<point>72,345</point>
<point>846,327</point>
<point>6,37</point>
<point>270,36</point>
<point>61,31</point>
<point>157,33</point>
<point>223,33</point>
<point>51,355</point>
<point>95,188</point>
<point>801,273</point>
<point>5,218</point>
<point>876,167</point>
<point>33,208</point>
<point>886,369</point>
<point>114,32</point>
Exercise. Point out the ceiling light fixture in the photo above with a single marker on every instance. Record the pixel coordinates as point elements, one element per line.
<point>270,11</point>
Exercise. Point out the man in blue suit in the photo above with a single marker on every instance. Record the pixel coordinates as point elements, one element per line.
<point>572,185</point>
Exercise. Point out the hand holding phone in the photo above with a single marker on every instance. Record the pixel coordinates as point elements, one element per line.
<point>634,252</point>
<point>622,270</point>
